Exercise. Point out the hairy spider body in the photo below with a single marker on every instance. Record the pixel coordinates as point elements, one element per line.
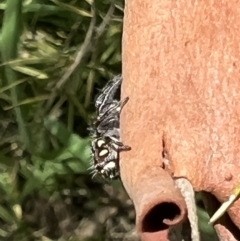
<point>106,98</point>
<point>109,121</point>
<point>106,144</point>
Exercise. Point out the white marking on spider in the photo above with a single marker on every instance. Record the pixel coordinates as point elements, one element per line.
<point>103,152</point>
<point>111,176</point>
<point>100,143</point>
<point>110,166</point>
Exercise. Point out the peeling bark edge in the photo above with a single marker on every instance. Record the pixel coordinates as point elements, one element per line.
<point>188,193</point>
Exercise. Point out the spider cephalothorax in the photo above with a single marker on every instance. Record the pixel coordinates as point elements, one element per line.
<point>106,144</point>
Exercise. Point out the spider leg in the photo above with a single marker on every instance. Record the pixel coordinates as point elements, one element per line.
<point>116,144</point>
<point>121,146</point>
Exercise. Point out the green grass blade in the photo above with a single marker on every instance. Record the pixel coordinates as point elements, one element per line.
<point>11,30</point>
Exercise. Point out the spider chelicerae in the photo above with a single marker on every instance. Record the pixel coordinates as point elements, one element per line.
<point>106,144</point>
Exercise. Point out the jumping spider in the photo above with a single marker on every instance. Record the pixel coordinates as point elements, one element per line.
<point>106,144</point>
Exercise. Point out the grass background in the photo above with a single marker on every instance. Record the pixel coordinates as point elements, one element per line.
<point>55,56</point>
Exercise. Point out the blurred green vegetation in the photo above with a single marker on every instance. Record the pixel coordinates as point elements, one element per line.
<point>55,56</point>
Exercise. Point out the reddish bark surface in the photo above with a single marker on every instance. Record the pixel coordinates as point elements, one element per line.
<point>181,70</point>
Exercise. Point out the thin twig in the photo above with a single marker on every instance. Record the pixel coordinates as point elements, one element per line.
<point>100,30</point>
<point>225,206</point>
<point>106,20</point>
<point>83,50</point>
<point>85,47</point>
<point>71,34</point>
